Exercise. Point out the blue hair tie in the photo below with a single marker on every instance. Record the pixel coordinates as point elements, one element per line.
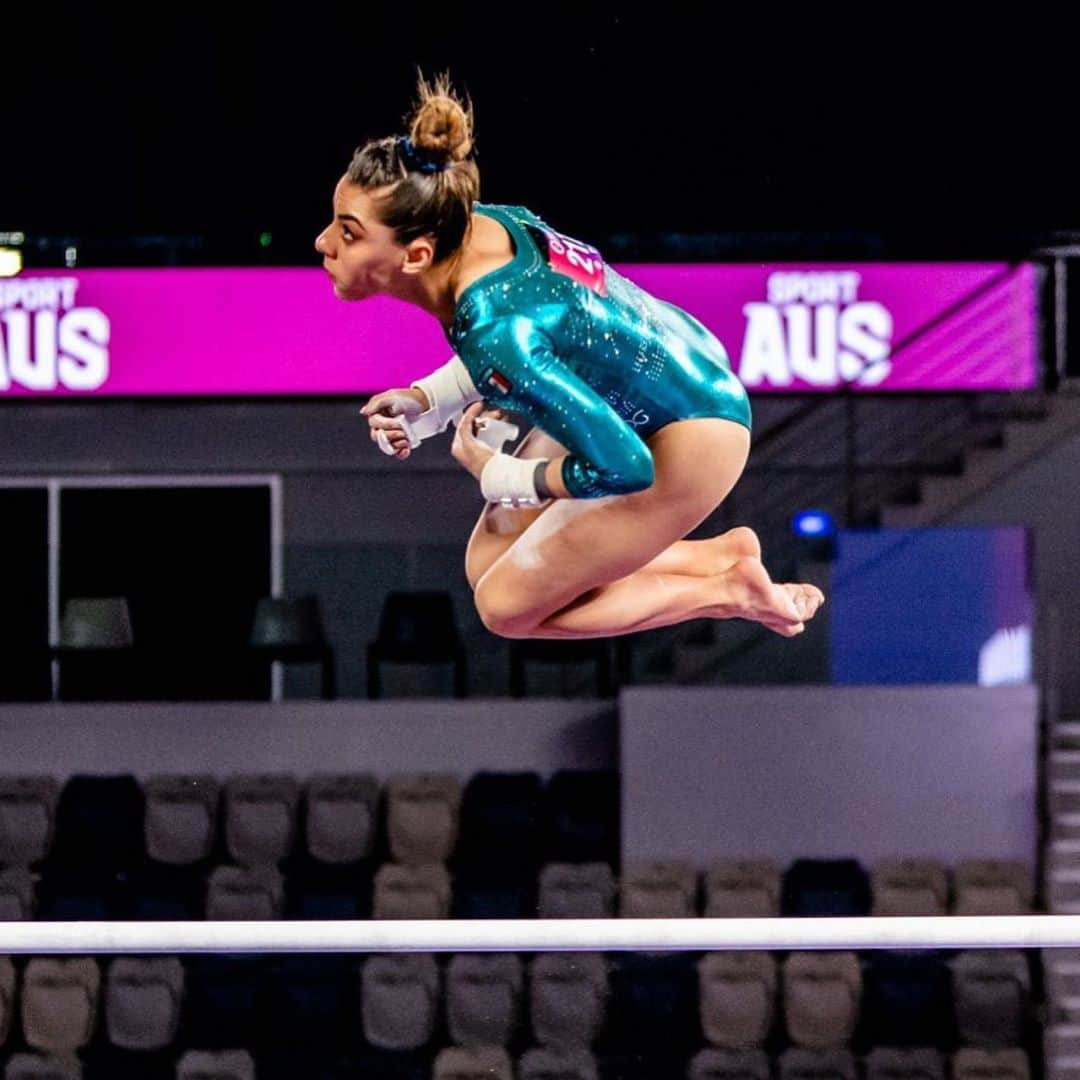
<point>416,161</point>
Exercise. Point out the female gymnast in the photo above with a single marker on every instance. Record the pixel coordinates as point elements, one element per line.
<point>641,428</point>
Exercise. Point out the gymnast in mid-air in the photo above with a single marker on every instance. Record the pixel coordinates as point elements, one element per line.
<point>641,429</point>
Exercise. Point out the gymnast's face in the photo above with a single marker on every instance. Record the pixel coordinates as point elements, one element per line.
<point>360,253</point>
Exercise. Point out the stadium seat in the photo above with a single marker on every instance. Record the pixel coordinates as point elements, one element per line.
<point>737,998</point>
<point>400,998</point>
<point>483,998</point>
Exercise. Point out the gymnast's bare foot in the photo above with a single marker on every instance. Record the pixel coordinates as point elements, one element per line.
<point>745,591</point>
<point>723,551</point>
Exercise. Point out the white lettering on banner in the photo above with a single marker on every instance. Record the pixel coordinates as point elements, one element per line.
<point>819,287</point>
<point>46,342</point>
<point>814,328</point>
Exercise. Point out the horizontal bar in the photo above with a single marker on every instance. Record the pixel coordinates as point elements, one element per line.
<point>544,935</point>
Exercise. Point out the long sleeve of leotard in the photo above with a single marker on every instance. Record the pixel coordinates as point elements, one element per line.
<point>513,364</point>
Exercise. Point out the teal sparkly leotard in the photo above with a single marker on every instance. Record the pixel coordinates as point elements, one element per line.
<point>588,357</point>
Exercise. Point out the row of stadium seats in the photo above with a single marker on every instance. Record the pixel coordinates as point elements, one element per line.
<point>405,1002</point>
<point>413,818</point>
<point>646,889</point>
<point>494,1063</point>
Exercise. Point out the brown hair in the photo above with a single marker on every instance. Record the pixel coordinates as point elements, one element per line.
<point>434,178</point>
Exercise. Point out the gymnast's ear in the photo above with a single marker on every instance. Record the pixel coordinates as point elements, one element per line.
<point>419,255</point>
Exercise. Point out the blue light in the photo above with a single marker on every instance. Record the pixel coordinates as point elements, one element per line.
<point>813,523</point>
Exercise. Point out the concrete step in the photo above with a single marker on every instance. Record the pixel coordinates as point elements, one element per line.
<point>1062,1041</point>
<point>1065,734</point>
<point>984,467</point>
<point>1063,764</point>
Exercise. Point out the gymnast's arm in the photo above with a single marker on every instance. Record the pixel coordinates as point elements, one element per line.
<point>606,456</point>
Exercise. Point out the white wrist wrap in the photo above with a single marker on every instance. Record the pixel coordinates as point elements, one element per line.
<point>509,480</point>
<point>448,390</point>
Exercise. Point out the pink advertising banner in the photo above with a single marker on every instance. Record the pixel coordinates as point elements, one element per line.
<point>282,332</point>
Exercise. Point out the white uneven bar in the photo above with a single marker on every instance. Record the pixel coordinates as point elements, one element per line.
<point>545,935</point>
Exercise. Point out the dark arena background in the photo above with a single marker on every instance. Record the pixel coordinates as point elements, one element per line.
<point>244,683</point>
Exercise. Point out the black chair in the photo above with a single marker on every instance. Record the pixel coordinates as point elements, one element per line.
<point>291,631</point>
<point>96,654</point>
<point>316,890</point>
<point>82,893</point>
<point>221,1008</point>
<point>309,1002</point>
<point>580,816</point>
<point>653,1009</point>
<point>161,892</point>
<point>500,820</point>
<point>100,824</point>
<point>825,887</point>
<point>908,1000</point>
<point>557,651</point>
<point>102,1059</point>
<point>25,670</point>
<point>416,628</point>
<point>493,892</point>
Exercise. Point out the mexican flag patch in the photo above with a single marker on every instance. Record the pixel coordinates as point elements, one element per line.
<point>498,381</point>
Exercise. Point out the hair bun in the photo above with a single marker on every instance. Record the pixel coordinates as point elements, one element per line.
<point>441,127</point>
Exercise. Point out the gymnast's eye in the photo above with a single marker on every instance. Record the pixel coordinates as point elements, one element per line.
<point>345,232</point>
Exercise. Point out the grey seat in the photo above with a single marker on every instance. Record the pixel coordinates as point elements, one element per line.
<point>422,812</point>
<point>992,887</point>
<point>737,998</point>
<point>412,892</point>
<point>568,995</point>
<point>17,897</point>
<point>742,888</point>
<point>43,1067</point>
<point>801,1063</point>
<point>991,996</point>
<point>716,1064</point>
<point>975,1064</point>
<point>181,817</point>
<point>821,993</point>
<point>143,998</point>
<point>903,1063</point>
<point>909,887</point>
<point>7,997</point>
<point>245,892</point>
<point>576,891</point>
<point>483,998</point>
<point>216,1065</point>
<point>340,820</point>
<point>60,999</point>
<point>260,817</point>
<point>399,1000</point>
<point>546,1063</point>
<point>27,818</point>
<point>473,1063</point>
<point>658,889</point>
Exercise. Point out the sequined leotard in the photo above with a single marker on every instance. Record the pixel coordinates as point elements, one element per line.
<point>588,357</point>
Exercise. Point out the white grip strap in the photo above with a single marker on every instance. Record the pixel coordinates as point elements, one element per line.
<point>449,389</point>
<point>491,432</point>
<point>416,430</point>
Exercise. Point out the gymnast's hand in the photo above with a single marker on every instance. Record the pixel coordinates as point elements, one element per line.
<point>381,411</point>
<point>467,449</point>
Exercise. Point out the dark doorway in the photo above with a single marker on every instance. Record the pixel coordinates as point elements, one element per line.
<point>192,563</point>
